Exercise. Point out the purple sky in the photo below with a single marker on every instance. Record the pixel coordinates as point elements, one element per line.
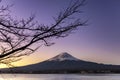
<point>98,42</point>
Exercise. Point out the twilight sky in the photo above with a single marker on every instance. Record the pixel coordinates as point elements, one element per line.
<point>97,42</point>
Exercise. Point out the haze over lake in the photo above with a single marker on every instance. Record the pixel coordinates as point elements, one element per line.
<point>60,77</point>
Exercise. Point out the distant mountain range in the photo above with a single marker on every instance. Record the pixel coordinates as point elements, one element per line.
<point>65,63</point>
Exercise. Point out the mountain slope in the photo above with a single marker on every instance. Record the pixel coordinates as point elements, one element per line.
<point>66,63</point>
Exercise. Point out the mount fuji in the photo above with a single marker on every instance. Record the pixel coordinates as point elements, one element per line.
<point>65,63</point>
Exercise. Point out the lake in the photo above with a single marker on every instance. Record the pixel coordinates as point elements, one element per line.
<point>59,77</point>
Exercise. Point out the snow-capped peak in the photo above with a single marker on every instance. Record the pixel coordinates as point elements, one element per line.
<point>62,57</point>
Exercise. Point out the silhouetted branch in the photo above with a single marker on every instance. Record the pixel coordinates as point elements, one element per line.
<point>18,36</point>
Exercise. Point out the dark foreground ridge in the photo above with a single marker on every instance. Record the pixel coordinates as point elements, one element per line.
<point>65,63</point>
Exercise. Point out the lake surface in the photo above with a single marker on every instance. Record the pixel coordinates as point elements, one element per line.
<point>59,77</point>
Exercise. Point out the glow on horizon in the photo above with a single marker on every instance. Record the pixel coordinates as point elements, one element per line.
<point>83,55</point>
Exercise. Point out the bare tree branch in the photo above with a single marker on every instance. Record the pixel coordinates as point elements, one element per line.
<point>18,36</point>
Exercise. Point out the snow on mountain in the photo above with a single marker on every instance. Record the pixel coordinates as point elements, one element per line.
<point>62,57</point>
